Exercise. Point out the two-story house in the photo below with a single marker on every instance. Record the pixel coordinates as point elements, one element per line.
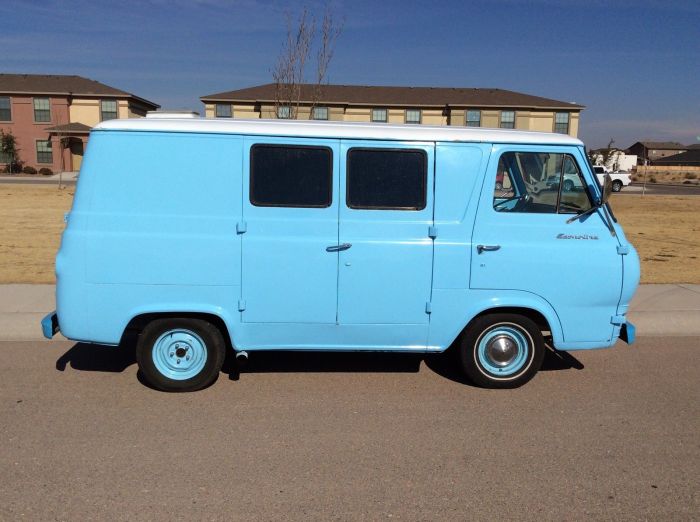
<point>51,115</point>
<point>469,107</point>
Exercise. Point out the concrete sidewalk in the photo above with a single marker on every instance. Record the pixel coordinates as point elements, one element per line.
<point>655,310</point>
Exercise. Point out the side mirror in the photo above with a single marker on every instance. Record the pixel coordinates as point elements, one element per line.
<point>607,189</point>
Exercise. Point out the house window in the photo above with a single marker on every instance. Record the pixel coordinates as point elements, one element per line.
<point>320,113</point>
<point>44,153</point>
<point>108,110</point>
<point>223,110</point>
<point>379,115</point>
<point>42,110</point>
<point>412,115</point>
<point>291,176</point>
<point>507,119</point>
<point>386,179</point>
<point>473,118</point>
<point>5,109</point>
<point>284,112</point>
<point>561,122</point>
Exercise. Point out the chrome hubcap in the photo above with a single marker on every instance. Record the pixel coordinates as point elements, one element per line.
<point>502,350</point>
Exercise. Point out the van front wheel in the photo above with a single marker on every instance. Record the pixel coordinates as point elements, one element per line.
<point>180,354</point>
<point>501,350</point>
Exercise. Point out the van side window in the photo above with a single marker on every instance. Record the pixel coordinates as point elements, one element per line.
<point>386,179</point>
<point>539,182</point>
<point>291,176</point>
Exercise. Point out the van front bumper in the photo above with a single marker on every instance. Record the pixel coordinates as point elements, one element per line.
<point>628,332</point>
<point>49,325</point>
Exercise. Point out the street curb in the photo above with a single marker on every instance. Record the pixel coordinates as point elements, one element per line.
<point>656,310</point>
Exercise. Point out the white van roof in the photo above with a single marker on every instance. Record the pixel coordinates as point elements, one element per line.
<point>338,130</point>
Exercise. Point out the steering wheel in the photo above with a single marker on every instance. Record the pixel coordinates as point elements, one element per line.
<point>521,200</point>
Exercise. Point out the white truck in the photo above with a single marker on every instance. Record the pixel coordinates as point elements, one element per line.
<point>619,179</point>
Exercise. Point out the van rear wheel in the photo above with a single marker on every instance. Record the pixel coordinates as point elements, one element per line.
<point>180,354</point>
<point>501,350</point>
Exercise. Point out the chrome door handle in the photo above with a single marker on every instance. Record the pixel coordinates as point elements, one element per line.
<point>338,248</point>
<point>487,248</point>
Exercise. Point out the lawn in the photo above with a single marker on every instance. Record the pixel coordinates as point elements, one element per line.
<point>664,229</point>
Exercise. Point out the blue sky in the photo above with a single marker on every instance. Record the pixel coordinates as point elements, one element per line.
<point>634,64</point>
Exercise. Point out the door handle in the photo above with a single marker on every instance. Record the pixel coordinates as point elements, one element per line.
<point>338,248</point>
<point>487,248</point>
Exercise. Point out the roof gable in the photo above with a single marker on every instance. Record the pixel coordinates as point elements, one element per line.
<point>63,85</point>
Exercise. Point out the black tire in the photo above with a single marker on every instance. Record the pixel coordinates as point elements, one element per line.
<point>518,334</point>
<point>568,185</point>
<point>617,185</point>
<point>197,337</point>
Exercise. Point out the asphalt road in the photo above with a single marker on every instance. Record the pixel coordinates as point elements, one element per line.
<point>350,437</point>
<point>36,181</point>
<point>661,190</point>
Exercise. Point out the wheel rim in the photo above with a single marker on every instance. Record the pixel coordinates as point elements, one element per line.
<point>504,350</point>
<point>179,354</point>
<point>568,185</point>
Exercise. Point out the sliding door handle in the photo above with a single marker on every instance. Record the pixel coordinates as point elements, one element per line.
<point>487,248</point>
<point>338,248</point>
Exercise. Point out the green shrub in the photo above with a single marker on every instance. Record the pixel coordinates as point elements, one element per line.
<point>652,179</point>
<point>691,175</point>
<point>13,168</point>
<point>29,170</point>
<point>45,171</point>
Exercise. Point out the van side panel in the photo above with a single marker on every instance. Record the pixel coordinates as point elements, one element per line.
<point>162,226</point>
<point>459,173</point>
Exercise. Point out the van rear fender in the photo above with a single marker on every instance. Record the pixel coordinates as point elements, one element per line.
<point>215,315</point>
<point>454,310</point>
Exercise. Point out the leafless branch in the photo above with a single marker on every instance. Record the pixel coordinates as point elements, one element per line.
<point>289,74</point>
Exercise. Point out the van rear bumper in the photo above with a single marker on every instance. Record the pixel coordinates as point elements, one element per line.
<point>49,325</point>
<point>628,332</point>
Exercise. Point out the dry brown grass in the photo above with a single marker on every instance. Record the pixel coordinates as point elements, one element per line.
<point>664,229</point>
<point>672,178</point>
<point>31,222</point>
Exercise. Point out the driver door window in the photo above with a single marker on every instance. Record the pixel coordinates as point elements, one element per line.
<point>539,182</point>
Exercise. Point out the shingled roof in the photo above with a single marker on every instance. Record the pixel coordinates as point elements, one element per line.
<point>690,158</point>
<point>399,96</point>
<point>663,145</point>
<point>59,84</point>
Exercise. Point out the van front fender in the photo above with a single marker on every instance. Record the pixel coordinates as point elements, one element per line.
<point>454,309</point>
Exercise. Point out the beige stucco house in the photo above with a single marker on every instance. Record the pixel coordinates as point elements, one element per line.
<point>412,105</point>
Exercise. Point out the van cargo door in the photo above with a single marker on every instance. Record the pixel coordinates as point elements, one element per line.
<point>290,229</point>
<point>386,212</point>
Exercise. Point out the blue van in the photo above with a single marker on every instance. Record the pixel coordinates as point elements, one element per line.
<point>203,234</point>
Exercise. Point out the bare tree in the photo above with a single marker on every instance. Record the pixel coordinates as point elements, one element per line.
<point>289,74</point>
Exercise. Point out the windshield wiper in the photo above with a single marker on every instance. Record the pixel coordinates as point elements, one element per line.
<point>607,220</point>
<point>582,214</point>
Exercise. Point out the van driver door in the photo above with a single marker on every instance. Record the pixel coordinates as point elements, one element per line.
<point>525,238</point>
